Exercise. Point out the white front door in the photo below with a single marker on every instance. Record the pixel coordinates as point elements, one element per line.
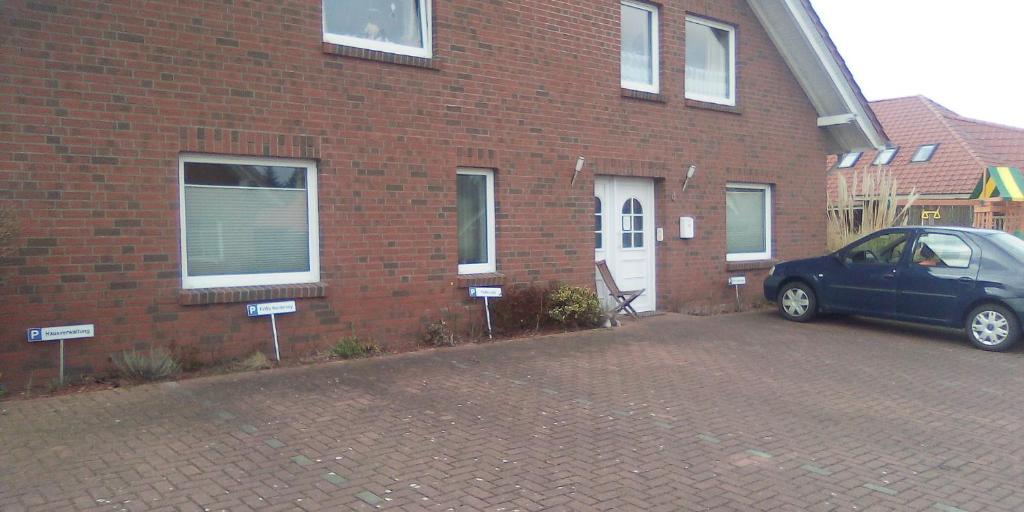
<point>624,236</point>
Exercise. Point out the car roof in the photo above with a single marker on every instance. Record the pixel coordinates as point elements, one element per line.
<point>958,229</point>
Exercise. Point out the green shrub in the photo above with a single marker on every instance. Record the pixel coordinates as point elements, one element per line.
<point>573,306</point>
<point>157,364</point>
<point>353,347</point>
<point>521,309</point>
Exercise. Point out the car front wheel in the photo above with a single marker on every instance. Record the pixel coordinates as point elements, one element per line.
<point>797,302</point>
<point>992,327</point>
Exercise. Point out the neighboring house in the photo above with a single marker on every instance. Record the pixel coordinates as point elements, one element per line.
<point>944,157</point>
<point>173,161</point>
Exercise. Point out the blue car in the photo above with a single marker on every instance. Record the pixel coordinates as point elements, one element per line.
<point>970,279</point>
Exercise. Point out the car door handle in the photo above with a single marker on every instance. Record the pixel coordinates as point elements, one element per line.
<point>890,275</point>
<point>966,279</point>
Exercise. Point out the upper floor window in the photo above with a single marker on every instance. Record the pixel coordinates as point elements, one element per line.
<point>710,61</point>
<point>848,160</point>
<point>885,156</point>
<point>924,153</point>
<point>639,46</point>
<point>392,26</point>
<point>248,221</point>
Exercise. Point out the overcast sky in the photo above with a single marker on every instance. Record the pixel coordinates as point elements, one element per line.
<point>968,56</point>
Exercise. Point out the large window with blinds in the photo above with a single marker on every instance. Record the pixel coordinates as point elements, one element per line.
<point>248,221</point>
<point>748,221</point>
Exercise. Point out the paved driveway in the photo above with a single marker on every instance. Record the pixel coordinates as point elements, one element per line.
<point>737,412</point>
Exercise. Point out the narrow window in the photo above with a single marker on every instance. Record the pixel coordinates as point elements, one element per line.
<point>710,61</point>
<point>885,156</point>
<point>248,221</point>
<point>748,219</point>
<point>924,153</point>
<point>639,46</point>
<point>848,160</point>
<point>394,26</point>
<point>475,210</point>
<point>598,224</point>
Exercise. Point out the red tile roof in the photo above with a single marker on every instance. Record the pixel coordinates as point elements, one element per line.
<point>966,147</point>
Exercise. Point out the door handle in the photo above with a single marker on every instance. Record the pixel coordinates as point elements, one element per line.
<point>966,279</point>
<point>890,275</point>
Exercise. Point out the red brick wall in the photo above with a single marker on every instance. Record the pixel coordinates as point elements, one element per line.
<point>99,99</point>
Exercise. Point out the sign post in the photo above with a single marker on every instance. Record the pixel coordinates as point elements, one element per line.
<point>736,282</point>
<point>273,309</point>
<point>487,293</point>
<point>65,332</point>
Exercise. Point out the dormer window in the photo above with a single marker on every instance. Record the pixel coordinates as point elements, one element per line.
<point>848,160</point>
<point>924,153</point>
<point>885,156</point>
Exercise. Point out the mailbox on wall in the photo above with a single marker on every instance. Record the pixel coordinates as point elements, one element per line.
<point>686,228</point>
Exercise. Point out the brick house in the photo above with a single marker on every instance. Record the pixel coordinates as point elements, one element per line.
<point>947,159</point>
<point>170,162</point>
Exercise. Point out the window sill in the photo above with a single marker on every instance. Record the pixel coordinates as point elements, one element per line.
<point>379,56</point>
<point>645,96</point>
<point>706,105</point>
<point>737,266</point>
<point>202,296</point>
<point>488,279</point>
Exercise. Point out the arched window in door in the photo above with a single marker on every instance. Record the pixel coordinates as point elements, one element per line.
<point>598,224</point>
<point>632,224</point>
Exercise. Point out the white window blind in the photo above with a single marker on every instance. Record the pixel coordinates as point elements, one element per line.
<point>248,223</point>
<point>748,222</point>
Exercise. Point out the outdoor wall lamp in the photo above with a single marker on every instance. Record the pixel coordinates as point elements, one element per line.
<point>689,174</point>
<point>579,168</point>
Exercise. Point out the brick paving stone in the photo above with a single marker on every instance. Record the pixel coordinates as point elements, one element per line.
<point>671,413</point>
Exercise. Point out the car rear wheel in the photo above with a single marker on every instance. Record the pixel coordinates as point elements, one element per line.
<point>797,302</point>
<point>992,327</point>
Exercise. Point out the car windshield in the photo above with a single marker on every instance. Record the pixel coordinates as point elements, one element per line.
<point>1011,244</point>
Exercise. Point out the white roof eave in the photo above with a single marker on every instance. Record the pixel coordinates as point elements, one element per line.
<point>793,31</point>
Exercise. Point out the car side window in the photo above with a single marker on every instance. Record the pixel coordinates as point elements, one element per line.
<point>938,250</point>
<point>884,249</point>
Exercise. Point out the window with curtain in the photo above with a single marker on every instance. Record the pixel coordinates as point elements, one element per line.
<point>710,61</point>
<point>748,222</point>
<point>248,221</point>
<point>639,46</point>
<point>475,210</point>
<point>393,26</point>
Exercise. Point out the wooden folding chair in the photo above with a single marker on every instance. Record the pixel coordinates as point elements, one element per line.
<point>623,299</point>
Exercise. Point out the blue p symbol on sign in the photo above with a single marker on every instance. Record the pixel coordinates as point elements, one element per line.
<point>252,310</point>
<point>35,335</point>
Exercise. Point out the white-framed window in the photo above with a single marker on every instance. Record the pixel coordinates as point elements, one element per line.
<point>639,64</point>
<point>848,160</point>
<point>924,153</point>
<point>885,156</point>
<point>598,224</point>
<point>710,61</point>
<point>248,221</point>
<point>748,219</point>
<point>475,210</point>
<point>392,26</point>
